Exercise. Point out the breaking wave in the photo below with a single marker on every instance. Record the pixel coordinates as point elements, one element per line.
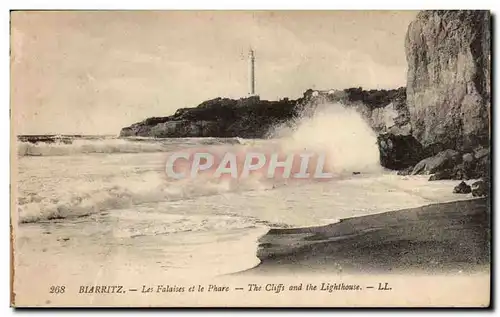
<point>89,198</point>
<point>340,132</point>
<point>61,147</point>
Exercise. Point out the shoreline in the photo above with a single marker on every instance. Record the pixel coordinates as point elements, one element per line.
<point>439,238</point>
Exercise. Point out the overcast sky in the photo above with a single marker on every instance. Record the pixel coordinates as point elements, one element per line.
<point>96,72</point>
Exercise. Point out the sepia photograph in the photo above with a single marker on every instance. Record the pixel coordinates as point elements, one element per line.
<point>203,158</point>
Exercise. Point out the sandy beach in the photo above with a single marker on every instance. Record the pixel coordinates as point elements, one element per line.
<point>439,238</point>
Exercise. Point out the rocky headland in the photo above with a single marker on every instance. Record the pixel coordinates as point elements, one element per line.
<point>439,124</point>
<point>252,117</point>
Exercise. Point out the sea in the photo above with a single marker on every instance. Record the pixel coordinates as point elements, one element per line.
<point>102,194</point>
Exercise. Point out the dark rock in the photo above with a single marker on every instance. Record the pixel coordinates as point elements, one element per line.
<point>481,152</point>
<point>444,160</point>
<point>406,171</point>
<point>433,149</point>
<point>445,174</point>
<point>220,117</point>
<point>356,173</point>
<point>468,166</point>
<point>483,163</point>
<point>449,168</point>
<point>448,78</point>
<point>398,151</point>
<point>483,167</point>
<point>473,168</point>
<point>460,171</point>
<point>462,188</point>
<point>468,158</point>
<point>481,188</point>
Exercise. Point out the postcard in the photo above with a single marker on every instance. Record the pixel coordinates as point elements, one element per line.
<point>250,158</point>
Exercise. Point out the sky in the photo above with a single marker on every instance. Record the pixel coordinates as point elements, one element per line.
<point>94,72</point>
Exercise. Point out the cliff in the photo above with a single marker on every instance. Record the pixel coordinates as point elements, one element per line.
<point>448,87</point>
<point>253,118</point>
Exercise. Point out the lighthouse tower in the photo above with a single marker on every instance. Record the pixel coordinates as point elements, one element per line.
<point>251,69</point>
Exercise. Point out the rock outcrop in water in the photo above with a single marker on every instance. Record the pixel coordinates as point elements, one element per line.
<point>443,160</point>
<point>448,87</point>
<point>481,188</point>
<point>451,164</point>
<point>399,151</point>
<point>254,118</point>
<point>462,188</point>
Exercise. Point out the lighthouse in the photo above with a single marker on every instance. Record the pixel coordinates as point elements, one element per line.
<point>251,70</point>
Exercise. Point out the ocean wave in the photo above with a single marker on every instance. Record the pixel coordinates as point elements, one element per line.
<point>157,224</point>
<point>92,198</point>
<point>52,146</point>
<point>350,148</point>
